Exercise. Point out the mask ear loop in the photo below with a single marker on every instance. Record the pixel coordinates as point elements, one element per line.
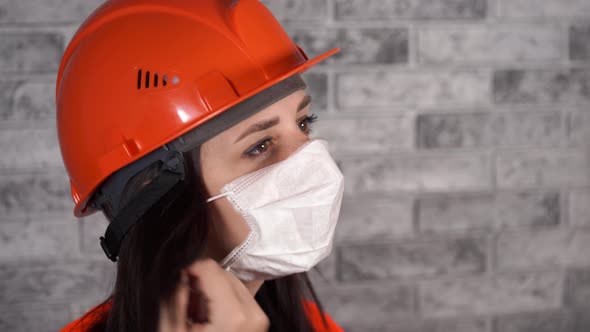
<point>217,196</point>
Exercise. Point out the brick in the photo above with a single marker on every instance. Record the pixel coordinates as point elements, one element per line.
<point>578,128</point>
<point>359,46</point>
<point>577,288</point>
<point>542,86</point>
<point>26,52</point>
<point>46,11</point>
<point>495,44</point>
<point>426,258</point>
<point>416,173</point>
<point>54,281</point>
<point>542,8</point>
<point>421,325</point>
<point>7,89</point>
<point>373,328</point>
<point>578,321</point>
<point>39,193</point>
<point>419,9</point>
<point>579,207</point>
<point>41,239</point>
<point>38,317</point>
<point>29,148</point>
<point>542,168</point>
<point>543,321</point>
<point>27,101</point>
<point>456,213</point>
<point>317,87</point>
<point>489,129</point>
<point>33,101</point>
<point>368,134</point>
<point>532,208</point>
<point>580,42</point>
<point>543,248</point>
<point>438,325</point>
<point>487,211</point>
<point>390,218</point>
<point>499,294</point>
<point>385,89</point>
<point>297,10</point>
<point>385,303</point>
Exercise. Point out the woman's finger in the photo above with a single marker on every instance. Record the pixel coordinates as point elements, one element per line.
<point>227,294</point>
<point>173,314</point>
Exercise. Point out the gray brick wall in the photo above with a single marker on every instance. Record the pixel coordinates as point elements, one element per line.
<point>462,127</point>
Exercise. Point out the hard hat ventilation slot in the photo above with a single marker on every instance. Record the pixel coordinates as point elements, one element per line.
<point>145,79</point>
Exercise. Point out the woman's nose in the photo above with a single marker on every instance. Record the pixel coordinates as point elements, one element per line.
<point>292,143</point>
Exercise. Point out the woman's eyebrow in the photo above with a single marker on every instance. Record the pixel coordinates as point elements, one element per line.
<point>304,102</point>
<point>263,125</point>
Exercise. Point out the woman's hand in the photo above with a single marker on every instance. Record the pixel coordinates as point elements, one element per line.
<point>223,302</point>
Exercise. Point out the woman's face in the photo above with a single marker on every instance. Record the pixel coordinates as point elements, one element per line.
<point>267,137</point>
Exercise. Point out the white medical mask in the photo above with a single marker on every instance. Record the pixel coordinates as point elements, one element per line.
<point>292,208</point>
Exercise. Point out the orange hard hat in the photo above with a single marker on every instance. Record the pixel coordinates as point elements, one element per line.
<point>141,73</point>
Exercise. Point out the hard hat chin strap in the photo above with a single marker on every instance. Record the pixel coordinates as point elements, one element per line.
<point>171,174</point>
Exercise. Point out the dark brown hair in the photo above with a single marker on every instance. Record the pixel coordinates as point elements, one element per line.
<point>168,238</point>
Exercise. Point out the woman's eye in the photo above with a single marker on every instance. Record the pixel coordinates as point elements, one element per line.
<point>305,124</point>
<point>266,144</point>
<point>259,148</point>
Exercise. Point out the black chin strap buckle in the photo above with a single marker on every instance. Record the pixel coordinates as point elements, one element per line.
<point>107,251</point>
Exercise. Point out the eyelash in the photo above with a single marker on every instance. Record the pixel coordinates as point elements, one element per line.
<point>251,152</point>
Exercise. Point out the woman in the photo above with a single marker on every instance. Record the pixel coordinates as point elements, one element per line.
<point>187,124</point>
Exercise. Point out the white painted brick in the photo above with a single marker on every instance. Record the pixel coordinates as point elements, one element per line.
<point>35,194</point>
<point>367,305</point>
<point>579,129</point>
<point>39,239</point>
<point>421,258</point>
<point>30,52</point>
<point>417,9</point>
<point>491,44</point>
<point>374,218</point>
<point>579,208</point>
<point>386,89</point>
<point>543,248</point>
<point>46,11</point>
<point>358,45</point>
<point>543,8</point>
<point>543,168</point>
<point>29,148</point>
<point>297,10</point>
<point>487,211</point>
<point>492,295</point>
<point>474,130</point>
<point>366,134</point>
<point>55,281</point>
<point>542,86</point>
<point>34,101</point>
<point>416,173</point>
